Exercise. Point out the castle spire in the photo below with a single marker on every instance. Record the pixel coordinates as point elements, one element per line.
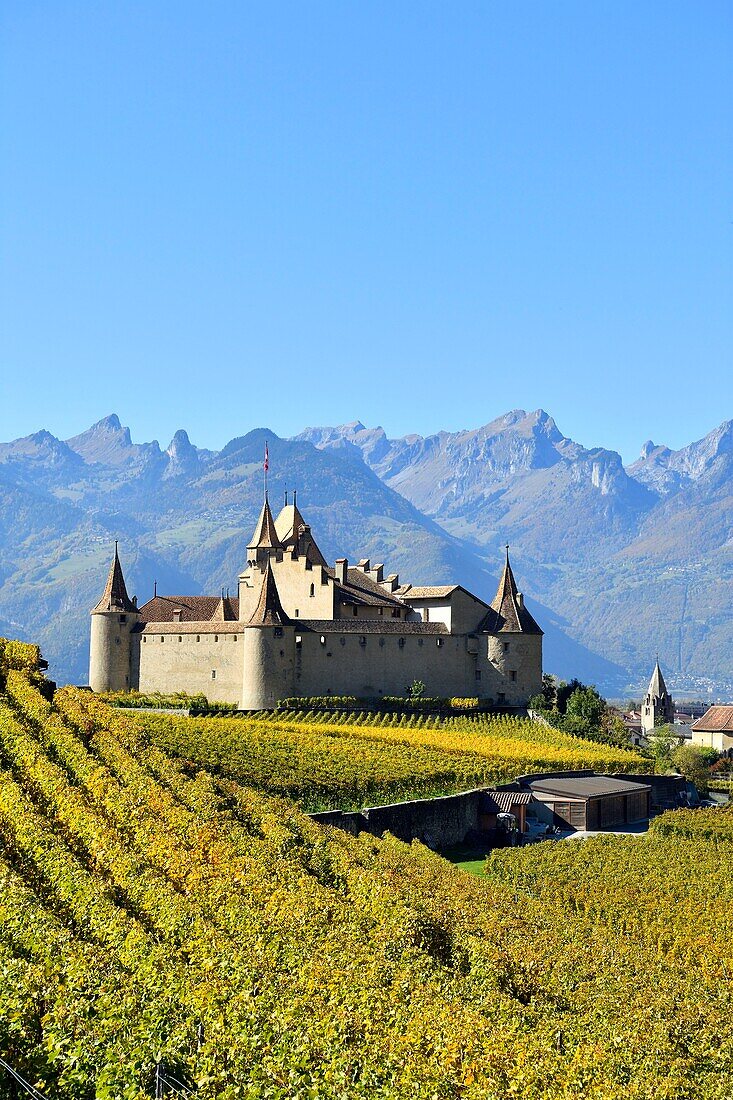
<point>265,535</point>
<point>114,597</point>
<point>510,614</point>
<point>505,601</point>
<point>269,610</point>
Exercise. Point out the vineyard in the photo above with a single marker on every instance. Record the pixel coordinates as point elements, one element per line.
<point>344,761</point>
<point>156,912</point>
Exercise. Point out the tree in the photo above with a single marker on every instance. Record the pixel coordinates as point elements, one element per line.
<point>563,693</point>
<point>694,762</point>
<point>661,741</point>
<point>586,703</point>
<point>416,690</point>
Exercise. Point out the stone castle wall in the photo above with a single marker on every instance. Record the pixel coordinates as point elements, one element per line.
<point>169,657</point>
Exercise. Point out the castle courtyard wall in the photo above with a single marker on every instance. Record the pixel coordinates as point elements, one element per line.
<point>373,664</point>
<point>170,657</point>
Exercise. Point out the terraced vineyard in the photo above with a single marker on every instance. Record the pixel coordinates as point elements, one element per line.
<point>154,912</point>
<point>342,761</point>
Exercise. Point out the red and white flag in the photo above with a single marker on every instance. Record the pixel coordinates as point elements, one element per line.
<point>266,464</point>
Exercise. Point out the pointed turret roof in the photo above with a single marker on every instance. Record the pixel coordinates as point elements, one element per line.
<point>114,597</point>
<point>508,613</point>
<point>265,534</point>
<point>290,525</point>
<point>269,610</point>
<point>657,686</point>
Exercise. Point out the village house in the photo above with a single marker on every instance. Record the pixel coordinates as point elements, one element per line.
<point>715,730</point>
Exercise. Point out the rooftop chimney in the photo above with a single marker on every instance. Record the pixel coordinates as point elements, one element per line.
<point>342,565</point>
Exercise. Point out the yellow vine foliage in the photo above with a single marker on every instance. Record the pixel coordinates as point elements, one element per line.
<point>152,909</point>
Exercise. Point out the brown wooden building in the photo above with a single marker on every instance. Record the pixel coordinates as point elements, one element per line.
<point>588,801</point>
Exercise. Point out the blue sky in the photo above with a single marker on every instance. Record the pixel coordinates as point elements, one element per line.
<point>226,215</point>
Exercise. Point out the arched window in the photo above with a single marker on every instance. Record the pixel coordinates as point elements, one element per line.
<point>313,590</point>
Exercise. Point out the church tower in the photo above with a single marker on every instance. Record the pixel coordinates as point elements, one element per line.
<point>113,619</point>
<point>657,708</point>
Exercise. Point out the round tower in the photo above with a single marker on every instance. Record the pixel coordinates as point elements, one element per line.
<point>514,644</point>
<point>269,651</point>
<point>110,649</point>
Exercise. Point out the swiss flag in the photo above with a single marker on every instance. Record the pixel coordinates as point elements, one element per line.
<point>266,464</point>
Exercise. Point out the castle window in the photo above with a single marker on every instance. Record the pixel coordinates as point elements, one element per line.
<point>401,643</point>
<point>213,674</point>
<point>180,639</point>
<point>395,612</point>
<point>162,638</point>
<point>123,618</point>
<point>362,640</point>
<point>298,640</point>
<point>297,613</point>
<point>235,636</point>
<point>144,639</point>
<point>323,639</point>
<point>278,633</point>
<point>478,674</point>
<point>506,647</point>
<point>513,676</point>
<point>356,610</point>
<point>313,590</point>
<point>381,611</point>
<point>439,642</point>
<point>198,637</point>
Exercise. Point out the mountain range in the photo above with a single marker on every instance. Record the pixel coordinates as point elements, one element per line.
<point>617,563</point>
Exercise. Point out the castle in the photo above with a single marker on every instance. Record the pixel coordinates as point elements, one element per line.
<point>300,627</point>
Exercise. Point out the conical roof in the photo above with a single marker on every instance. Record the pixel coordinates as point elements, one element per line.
<point>265,534</point>
<point>114,597</point>
<point>657,686</point>
<point>289,526</point>
<point>508,613</point>
<point>269,610</point>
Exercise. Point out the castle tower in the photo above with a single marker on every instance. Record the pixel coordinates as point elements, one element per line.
<point>265,542</point>
<point>113,619</point>
<point>296,535</point>
<point>658,707</point>
<point>269,650</point>
<point>515,642</point>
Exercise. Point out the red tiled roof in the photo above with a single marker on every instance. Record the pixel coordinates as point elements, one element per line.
<point>715,719</point>
<point>194,609</point>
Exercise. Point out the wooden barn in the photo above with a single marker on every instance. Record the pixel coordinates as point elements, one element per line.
<point>588,801</point>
